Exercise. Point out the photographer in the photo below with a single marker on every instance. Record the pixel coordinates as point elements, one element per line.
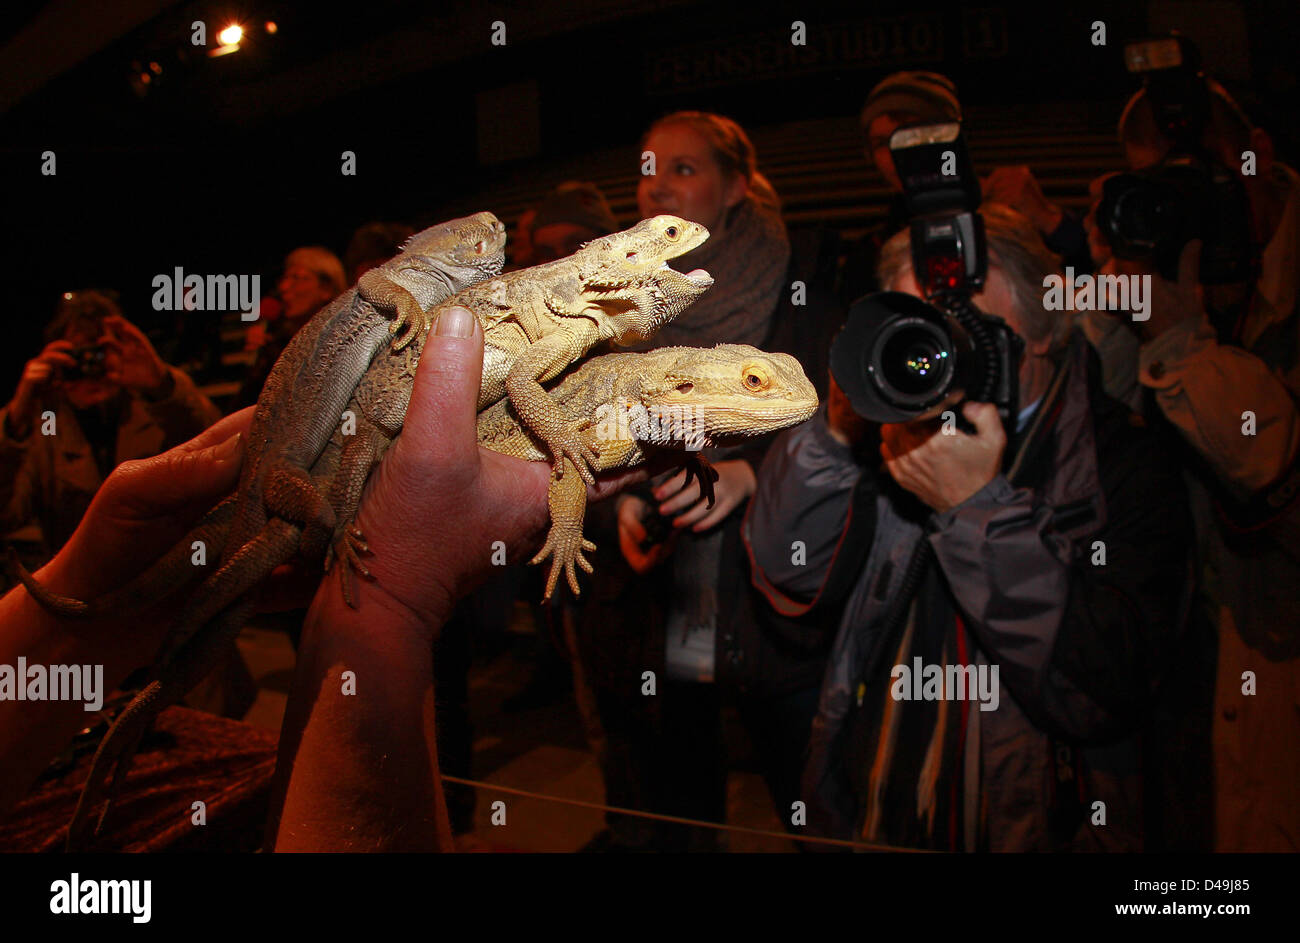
<point>112,399</point>
<point>1054,552</point>
<point>905,99</point>
<point>1217,367</point>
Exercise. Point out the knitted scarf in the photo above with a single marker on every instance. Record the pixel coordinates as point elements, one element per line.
<point>747,258</point>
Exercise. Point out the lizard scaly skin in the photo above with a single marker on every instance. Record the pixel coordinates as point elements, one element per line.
<point>629,404</point>
<point>619,288</point>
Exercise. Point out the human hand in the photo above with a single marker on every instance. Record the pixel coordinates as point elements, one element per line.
<point>632,512</point>
<point>131,361</point>
<point>736,482</point>
<point>1169,303</point>
<point>944,470</point>
<point>139,513</point>
<point>1016,187</point>
<point>41,372</point>
<point>1098,247</point>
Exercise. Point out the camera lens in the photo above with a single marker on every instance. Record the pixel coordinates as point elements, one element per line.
<point>1140,215</point>
<point>897,356</point>
<point>914,369</point>
<point>911,361</point>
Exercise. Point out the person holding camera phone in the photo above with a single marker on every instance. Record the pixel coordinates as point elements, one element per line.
<point>1043,562</point>
<point>96,396</point>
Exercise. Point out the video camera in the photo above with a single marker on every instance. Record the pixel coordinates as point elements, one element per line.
<point>898,356</point>
<point>1151,214</point>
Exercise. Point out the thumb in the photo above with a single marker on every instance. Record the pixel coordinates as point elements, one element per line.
<point>442,417</point>
<point>178,478</point>
<point>984,417</point>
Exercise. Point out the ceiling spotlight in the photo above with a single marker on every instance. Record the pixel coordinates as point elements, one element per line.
<point>231,35</point>
<point>271,27</point>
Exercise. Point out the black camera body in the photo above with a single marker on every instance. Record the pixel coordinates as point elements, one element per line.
<point>898,356</point>
<point>91,363</point>
<point>1151,214</point>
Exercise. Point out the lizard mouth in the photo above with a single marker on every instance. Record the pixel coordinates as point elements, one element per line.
<point>700,277</point>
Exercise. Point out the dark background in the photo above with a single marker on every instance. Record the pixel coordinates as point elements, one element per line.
<point>223,164</point>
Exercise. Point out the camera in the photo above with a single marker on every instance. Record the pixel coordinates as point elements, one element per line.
<point>898,356</point>
<point>1151,214</point>
<point>90,363</point>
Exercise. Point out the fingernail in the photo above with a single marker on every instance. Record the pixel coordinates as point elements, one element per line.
<point>455,322</point>
<point>229,449</point>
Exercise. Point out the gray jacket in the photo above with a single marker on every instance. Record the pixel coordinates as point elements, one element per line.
<point>1080,646</point>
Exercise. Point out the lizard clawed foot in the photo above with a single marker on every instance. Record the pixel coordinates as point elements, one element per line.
<point>409,329</point>
<point>580,456</point>
<point>698,467</point>
<point>349,548</point>
<point>565,544</point>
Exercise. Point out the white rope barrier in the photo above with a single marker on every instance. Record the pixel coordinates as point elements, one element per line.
<point>699,823</point>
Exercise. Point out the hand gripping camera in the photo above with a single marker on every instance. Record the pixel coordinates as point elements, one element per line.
<point>1151,214</point>
<point>898,356</point>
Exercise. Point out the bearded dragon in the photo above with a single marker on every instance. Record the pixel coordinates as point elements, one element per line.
<point>539,321</point>
<point>627,405</point>
<point>536,322</point>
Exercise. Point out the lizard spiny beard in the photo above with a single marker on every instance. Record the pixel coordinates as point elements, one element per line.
<point>665,426</point>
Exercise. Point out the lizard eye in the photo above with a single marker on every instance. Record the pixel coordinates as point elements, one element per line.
<point>755,378</point>
<point>685,387</point>
<point>672,232</point>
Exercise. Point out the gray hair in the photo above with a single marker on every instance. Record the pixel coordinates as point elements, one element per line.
<point>1018,252</point>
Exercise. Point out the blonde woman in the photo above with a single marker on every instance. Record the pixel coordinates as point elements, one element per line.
<point>670,593</point>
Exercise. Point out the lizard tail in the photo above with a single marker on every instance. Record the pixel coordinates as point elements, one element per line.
<point>224,605</point>
<point>171,573</point>
<point>239,574</point>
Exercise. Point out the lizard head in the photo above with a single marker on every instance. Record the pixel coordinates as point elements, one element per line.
<point>622,257</point>
<point>472,246</point>
<point>652,242</point>
<point>725,394</point>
